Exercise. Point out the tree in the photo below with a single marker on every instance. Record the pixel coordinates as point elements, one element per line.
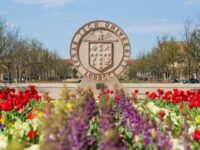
<point>192,47</point>
<point>158,59</point>
<point>11,40</point>
<point>20,63</point>
<point>132,72</point>
<point>2,37</point>
<point>162,57</point>
<point>27,58</point>
<point>63,69</point>
<point>173,55</point>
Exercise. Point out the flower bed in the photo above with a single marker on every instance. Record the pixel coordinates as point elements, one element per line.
<point>112,121</point>
<point>18,123</point>
<point>180,111</point>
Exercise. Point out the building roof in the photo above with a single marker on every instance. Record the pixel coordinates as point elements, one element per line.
<point>132,61</point>
<point>68,61</point>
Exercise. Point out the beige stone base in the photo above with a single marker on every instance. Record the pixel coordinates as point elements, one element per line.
<point>93,84</point>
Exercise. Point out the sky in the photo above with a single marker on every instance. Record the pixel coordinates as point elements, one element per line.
<point>54,22</point>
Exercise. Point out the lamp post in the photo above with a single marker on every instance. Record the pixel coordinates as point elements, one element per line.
<point>189,70</point>
<point>8,62</point>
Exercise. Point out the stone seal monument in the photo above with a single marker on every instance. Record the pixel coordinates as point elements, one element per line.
<point>100,51</point>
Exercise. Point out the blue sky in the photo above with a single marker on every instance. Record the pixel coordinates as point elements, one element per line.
<point>54,22</point>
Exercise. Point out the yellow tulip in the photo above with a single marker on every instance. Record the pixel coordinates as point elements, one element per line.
<point>188,117</point>
<point>40,114</point>
<point>197,120</point>
<point>2,120</point>
<point>69,106</point>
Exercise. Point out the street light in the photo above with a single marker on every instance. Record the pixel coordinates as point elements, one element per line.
<point>7,64</point>
<point>189,71</point>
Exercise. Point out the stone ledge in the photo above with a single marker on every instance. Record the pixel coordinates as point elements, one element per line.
<point>55,88</point>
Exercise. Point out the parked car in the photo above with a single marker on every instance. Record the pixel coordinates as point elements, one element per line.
<point>7,80</point>
<point>185,81</point>
<point>191,81</point>
<point>174,81</point>
<point>194,81</point>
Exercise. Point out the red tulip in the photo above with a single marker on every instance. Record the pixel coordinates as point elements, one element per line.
<point>181,107</point>
<point>30,116</point>
<point>147,93</point>
<point>161,114</point>
<point>2,96</point>
<point>107,91</point>
<point>117,97</point>
<point>31,134</point>
<point>17,100</point>
<point>160,92</point>
<point>153,95</point>
<point>6,106</point>
<point>12,90</point>
<point>19,106</point>
<point>196,135</point>
<point>136,91</point>
<point>178,96</point>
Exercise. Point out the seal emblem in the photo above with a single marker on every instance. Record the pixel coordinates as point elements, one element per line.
<point>100,50</point>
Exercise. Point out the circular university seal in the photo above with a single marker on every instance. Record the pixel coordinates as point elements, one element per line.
<point>100,50</point>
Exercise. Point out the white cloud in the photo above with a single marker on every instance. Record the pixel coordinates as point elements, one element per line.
<point>45,3</point>
<point>163,28</point>
<point>189,2</point>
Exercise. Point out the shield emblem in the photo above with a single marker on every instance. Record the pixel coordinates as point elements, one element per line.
<point>101,55</point>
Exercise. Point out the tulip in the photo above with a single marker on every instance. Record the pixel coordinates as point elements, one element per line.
<point>181,107</point>
<point>161,114</point>
<point>147,93</point>
<point>197,120</point>
<point>32,134</point>
<point>196,135</point>
<point>111,92</point>
<point>117,97</point>
<point>136,91</point>
<point>30,116</point>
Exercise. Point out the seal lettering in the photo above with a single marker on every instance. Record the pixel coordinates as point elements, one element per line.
<point>100,50</point>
